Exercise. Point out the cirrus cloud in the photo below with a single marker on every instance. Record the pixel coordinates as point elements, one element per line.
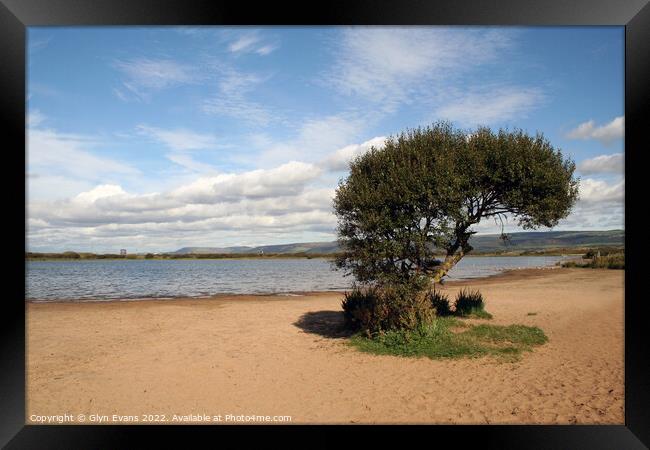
<point>142,76</point>
<point>179,138</point>
<point>488,106</point>
<point>251,42</point>
<point>384,62</point>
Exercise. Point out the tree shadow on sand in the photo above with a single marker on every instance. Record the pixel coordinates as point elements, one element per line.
<point>329,324</point>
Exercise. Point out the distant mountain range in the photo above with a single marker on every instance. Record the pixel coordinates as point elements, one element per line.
<point>535,240</point>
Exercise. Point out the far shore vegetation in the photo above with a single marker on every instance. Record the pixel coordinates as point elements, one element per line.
<point>71,255</point>
<point>601,259</point>
<point>34,256</point>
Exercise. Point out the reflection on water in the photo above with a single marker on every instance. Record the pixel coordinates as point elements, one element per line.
<point>131,279</point>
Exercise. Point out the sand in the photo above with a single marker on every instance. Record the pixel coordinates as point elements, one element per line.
<point>277,356</point>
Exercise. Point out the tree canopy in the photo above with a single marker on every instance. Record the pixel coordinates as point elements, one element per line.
<point>422,193</point>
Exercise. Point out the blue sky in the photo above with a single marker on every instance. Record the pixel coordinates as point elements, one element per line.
<point>154,138</point>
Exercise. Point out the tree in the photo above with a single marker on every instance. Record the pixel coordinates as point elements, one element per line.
<point>424,191</point>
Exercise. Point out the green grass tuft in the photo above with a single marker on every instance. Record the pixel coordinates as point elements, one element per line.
<point>521,335</point>
<point>471,304</point>
<point>437,340</point>
<point>440,302</point>
<point>477,313</point>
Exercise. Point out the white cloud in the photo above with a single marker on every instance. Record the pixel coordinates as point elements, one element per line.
<point>244,43</point>
<point>607,134</point>
<point>287,179</point>
<point>600,207</point>
<point>182,141</point>
<point>314,140</point>
<point>602,164</point>
<point>189,163</point>
<point>101,191</point>
<point>341,158</point>
<point>60,165</point>
<point>121,95</point>
<point>39,89</point>
<point>269,202</point>
<point>179,138</point>
<point>231,99</point>
<point>54,153</point>
<point>110,200</point>
<point>266,49</point>
<point>144,75</point>
<point>49,187</point>
<point>251,42</point>
<point>35,118</point>
<point>489,106</point>
<point>388,65</point>
<point>237,107</point>
<point>255,207</point>
<point>600,192</point>
<point>35,45</point>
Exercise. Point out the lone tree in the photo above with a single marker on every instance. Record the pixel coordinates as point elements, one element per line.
<point>425,189</point>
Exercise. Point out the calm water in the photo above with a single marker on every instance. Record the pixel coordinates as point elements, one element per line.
<point>130,279</point>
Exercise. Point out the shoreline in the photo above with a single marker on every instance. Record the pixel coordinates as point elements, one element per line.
<point>509,274</point>
<point>522,253</point>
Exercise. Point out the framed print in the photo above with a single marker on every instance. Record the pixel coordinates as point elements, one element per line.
<point>410,215</point>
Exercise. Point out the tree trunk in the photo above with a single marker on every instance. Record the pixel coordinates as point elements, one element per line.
<point>449,262</point>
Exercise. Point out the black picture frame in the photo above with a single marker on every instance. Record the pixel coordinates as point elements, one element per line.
<point>16,15</point>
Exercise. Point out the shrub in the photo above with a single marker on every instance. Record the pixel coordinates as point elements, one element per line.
<point>571,264</point>
<point>616,261</point>
<point>469,302</point>
<point>361,308</point>
<point>590,254</point>
<point>375,309</point>
<point>439,302</point>
<point>611,261</point>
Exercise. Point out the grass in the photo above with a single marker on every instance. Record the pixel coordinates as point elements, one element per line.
<point>471,304</point>
<point>477,313</point>
<point>521,335</point>
<point>442,338</point>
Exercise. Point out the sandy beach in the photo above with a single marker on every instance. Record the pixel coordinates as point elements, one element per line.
<point>286,356</point>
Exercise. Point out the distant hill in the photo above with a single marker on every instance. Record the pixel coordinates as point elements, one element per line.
<point>206,250</point>
<point>539,240</point>
<point>535,240</point>
<point>302,247</point>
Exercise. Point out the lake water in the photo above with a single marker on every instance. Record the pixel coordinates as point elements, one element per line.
<point>98,280</point>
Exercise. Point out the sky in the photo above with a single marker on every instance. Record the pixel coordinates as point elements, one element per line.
<point>156,138</point>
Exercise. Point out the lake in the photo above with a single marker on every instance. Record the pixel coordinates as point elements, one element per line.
<point>96,280</point>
